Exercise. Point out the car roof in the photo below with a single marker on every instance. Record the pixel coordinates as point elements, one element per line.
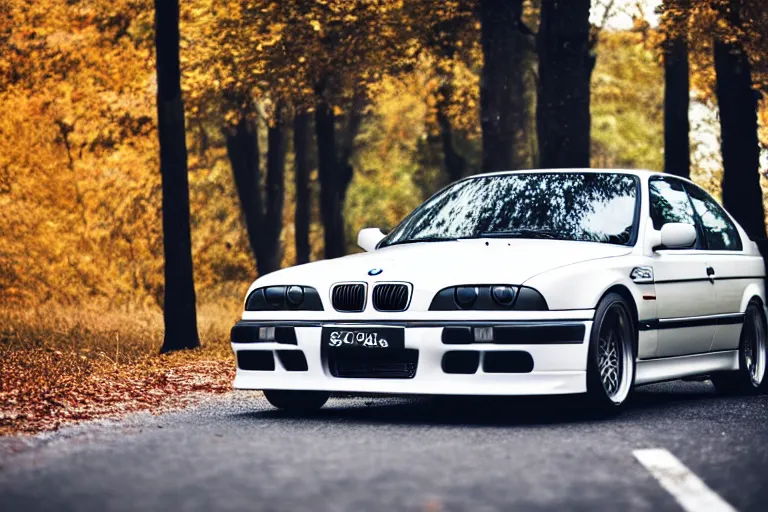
<point>642,173</point>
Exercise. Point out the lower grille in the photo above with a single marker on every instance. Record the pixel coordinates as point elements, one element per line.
<point>461,361</point>
<point>371,364</point>
<point>256,360</point>
<point>512,361</point>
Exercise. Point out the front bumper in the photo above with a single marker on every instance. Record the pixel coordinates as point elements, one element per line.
<point>558,349</point>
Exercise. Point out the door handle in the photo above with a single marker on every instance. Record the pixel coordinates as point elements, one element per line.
<point>711,273</point>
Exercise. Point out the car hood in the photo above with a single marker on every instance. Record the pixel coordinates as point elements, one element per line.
<point>436,265</point>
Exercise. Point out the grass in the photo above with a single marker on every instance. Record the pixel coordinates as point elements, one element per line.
<point>59,365</point>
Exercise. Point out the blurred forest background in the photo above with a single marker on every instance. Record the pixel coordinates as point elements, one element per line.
<point>309,119</point>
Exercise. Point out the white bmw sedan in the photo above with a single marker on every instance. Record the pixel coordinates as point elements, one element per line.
<point>519,283</point>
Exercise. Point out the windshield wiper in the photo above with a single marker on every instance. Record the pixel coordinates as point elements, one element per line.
<point>426,239</point>
<point>521,233</point>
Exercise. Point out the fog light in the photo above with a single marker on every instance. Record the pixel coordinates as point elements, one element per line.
<point>484,334</point>
<point>503,295</point>
<point>295,295</point>
<point>466,296</point>
<point>266,334</point>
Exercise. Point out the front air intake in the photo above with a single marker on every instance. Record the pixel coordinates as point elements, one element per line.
<point>390,297</point>
<point>348,297</point>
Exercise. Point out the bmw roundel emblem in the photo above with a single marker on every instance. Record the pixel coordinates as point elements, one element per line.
<point>375,271</point>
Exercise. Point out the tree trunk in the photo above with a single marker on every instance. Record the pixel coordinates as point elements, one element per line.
<point>352,128</point>
<point>737,102</point>
<point>677,154</point>
<point>302,166</point>
<point>330,196</point>
<point>565,67</point>
<point>334,166</point>
<point>179,312</point>
<point>263,211</point>
<point>454,164</point>
<point>503,99</point>
<point>270,255</point>
<point>243,151</point>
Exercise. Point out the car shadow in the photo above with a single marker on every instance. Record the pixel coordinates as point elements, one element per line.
<point>654,400</point>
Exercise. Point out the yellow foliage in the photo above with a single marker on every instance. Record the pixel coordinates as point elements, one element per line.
<point>79,180</point>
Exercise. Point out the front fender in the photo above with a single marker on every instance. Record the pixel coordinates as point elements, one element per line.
<point>581,285</point>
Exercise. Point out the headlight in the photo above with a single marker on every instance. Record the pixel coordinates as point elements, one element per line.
<point>276,298</point>
<point>466,296</point>
<point>499,297</point>
<point>504,295</point>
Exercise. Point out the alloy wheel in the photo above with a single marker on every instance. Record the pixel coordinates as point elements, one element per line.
<point>614,353</point>
<point>754,346</point>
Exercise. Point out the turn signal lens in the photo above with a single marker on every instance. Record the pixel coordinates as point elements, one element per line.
<point>642,274</point>
<point>466,296</point>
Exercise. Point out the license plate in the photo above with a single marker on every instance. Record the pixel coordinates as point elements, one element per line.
<point>376,338</point>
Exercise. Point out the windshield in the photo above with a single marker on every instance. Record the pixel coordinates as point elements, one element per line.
<point>590,207</point>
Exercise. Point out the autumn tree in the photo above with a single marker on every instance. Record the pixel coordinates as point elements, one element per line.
<point>506,42</point>
<point>334,175</point>
<point>77,142</point>
<point>737,103</point>
<point>354,43</point>
<point>179,305</point>
<point>674,21</point>
<point>342,48</point>
<point>447,35</point>
<point>565,67</point>
<point>316,58</point>
<point>229,83</point>
<point>626,106</point>
<point>302,165</point>
<point>261,201</point>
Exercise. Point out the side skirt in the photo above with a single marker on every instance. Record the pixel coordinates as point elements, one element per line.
<point>669,368</point>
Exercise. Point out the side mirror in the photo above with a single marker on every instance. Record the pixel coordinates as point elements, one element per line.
<point>368,238</point>
<point>677,235</point>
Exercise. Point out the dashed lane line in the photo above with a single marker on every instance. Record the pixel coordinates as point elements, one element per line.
<point>690,492</point>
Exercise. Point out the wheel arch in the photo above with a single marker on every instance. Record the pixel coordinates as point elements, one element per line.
<point>753,291</point>
<point>624,292</point>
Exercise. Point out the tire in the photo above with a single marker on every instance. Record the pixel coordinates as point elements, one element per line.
<point>297,401</point>
<point>611,358</point>
<point>750,378</point>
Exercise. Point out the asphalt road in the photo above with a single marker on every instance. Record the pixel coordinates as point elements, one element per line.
<point>237,453</point>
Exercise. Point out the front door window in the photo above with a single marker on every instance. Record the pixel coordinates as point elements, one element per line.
<point>719,232</point>
<point>670,203</point>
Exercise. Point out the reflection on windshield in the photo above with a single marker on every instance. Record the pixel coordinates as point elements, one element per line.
<point>594,207</point>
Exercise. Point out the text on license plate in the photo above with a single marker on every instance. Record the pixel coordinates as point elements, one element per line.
<point>364,337</point>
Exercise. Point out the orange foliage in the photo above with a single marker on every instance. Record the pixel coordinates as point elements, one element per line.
<point>79,180</point>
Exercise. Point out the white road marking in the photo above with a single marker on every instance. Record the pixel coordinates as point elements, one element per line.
<point>690,492</point>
